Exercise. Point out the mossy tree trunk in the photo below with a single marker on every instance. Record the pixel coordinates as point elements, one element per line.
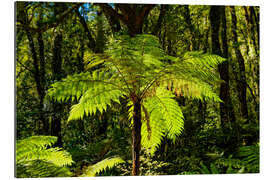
<point>241,79</point>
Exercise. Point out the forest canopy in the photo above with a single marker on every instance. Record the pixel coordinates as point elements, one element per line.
<point>109,89</point>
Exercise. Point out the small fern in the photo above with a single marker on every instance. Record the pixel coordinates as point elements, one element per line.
<point>35,158</point>
<point>107,163</point>
<point>250,157</point>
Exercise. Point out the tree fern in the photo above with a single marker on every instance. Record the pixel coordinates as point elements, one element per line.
<point>137,69</point>
<point>107,163</point>
<point>34,158</point>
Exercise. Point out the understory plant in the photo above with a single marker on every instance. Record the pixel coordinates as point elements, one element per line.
<point>35,157</point>
<point>137,70</point>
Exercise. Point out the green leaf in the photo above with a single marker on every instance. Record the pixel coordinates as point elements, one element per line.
<point>107,163</point>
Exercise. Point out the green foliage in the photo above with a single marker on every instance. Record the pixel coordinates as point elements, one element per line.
<point>166,118</point>
<point>250,157</point>
<point>148,167</point>
<point>172,89</point>
<point>34,158</point>
<point>138,68</point>
<point>194,75</point>
<point>107,163</point>
<point>95,91</point>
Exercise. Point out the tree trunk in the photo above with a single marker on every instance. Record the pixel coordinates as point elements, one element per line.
<point>100,41</point>
<point>91,44</point>
<point>132,15</point>
<point>40,90</point>
<point>57,75</point>
<point>192,39</point>
<point>241,80</point>
<point>113,20</point>
<point>42,82</point>
<point>217,14</point>
<point>136,138</point>
<point>157,28</point>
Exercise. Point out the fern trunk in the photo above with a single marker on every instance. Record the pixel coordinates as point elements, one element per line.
<point>136,138</point>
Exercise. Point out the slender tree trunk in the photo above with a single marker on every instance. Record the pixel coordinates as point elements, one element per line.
<point>39,72</point>
<point>92,43</point>
<point>136,138</point>
<point>241,81</point>
<point>57,75</point>
<point>193,45</point>
<point>39,86</point>
<point>42,83</point>
<point>100,41</point>
<point>252,31</point>
<point>157,28</point>
<point>225,66</point>
<point>217,14</point>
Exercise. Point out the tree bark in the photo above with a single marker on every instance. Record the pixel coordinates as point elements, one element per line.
<point>192,39</point>
<point>225,67</point>
<point>56,67</point>
<point>241,81</point>
<point>42,82</point>
<point>100,41</point>
<point>91,43</point>
<point>113,20</point>
<point>136,137</point>
<point>157,28</point>
<point>217,13</point>
<point>40,90</point>
<point>132,15</point>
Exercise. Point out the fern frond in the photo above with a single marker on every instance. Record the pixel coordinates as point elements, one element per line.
<point>91,60</point>
<point>166,117</point>
<point>39,169</point>
<point>95,98</point>
<point>76,85</point>
<point>34,158</point>
<point>36,148</point>
<point>198,58</point>
<point>107,163</point>
<point>151,140</point>
<point>192,89</point>
<point>250,157</point>
<point>25,147</point>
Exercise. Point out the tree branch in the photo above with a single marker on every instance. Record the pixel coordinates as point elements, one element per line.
<point>48,25</point>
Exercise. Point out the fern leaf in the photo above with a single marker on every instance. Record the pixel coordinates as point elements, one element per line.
<point>102,165</point>
<point>193,90</point>
<point>95,98</point>
<point>34,158</point>
<point>76,85</point>
<point>166,117</point>
<point>25,147</point>
<point>70,87</point>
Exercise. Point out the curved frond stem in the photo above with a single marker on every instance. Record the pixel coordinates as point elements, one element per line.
<point>156,77</point>
<point>122,76</point>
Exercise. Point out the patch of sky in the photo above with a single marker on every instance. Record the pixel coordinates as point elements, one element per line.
<point>87,11</point>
